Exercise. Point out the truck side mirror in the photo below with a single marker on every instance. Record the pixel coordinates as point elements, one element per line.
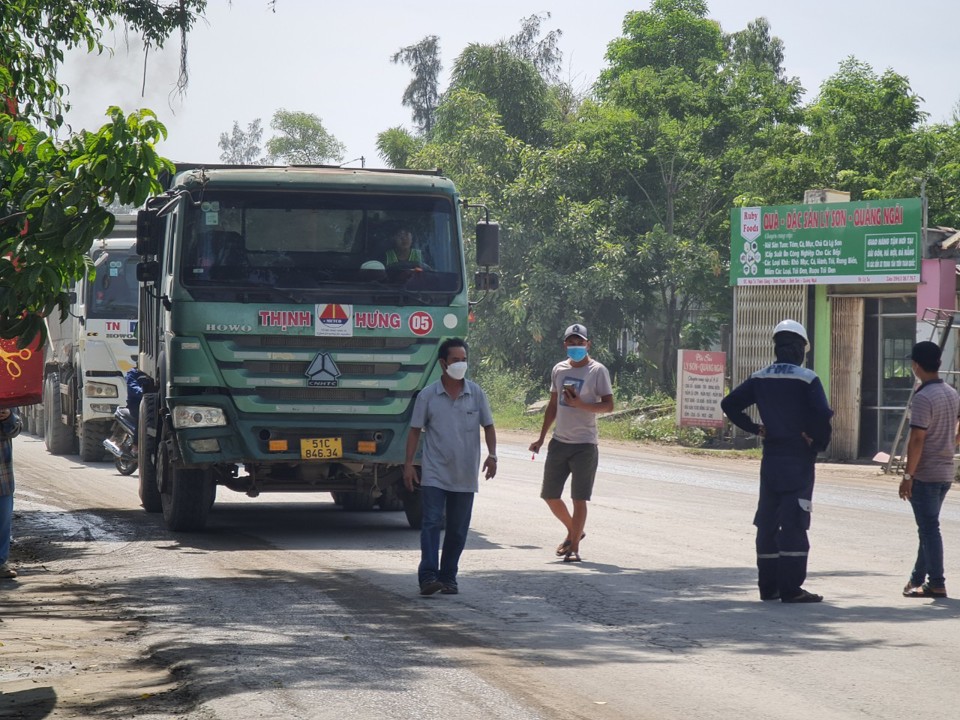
<point>488,244</point>
<point>148,271</point>
<point>147,241</point>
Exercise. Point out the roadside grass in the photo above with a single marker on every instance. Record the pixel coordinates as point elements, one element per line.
<point>642,419</point>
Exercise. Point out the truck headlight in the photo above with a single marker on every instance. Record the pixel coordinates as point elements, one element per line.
<point>99,390</point>
<point>194,416</point>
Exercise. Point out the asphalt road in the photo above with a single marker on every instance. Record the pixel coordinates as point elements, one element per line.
<point>289,607</point>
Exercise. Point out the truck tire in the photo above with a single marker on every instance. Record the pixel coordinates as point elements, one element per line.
<point>59,438</point>
<point>26,416</point>
<point>359,501</point>
<point>391,499</point>
<point>92,435</point>
<point>186,494</point>
<point>37,412</point>
<point>413,507</point>
<point>147,454</point>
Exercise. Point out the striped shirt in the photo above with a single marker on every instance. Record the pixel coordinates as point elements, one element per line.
<point>934,408</point>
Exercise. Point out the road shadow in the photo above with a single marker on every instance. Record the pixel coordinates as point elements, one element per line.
<point>33,704</point>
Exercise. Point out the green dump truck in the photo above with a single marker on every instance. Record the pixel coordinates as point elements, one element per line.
<point>286,332</point>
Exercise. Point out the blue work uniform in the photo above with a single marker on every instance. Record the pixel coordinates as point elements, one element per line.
<point>791,403</point>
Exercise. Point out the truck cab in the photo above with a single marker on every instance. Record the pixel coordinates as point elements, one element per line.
<point>288,319</point>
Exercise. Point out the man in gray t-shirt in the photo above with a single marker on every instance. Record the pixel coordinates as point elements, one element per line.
<point>929,472</point>
<point>449,415</point>
<point>580,389</point>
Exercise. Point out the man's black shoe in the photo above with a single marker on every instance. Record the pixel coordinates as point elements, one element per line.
<point>775,595</point>
<point>431,587</point>
<point>803,597</point>
<point>450,590</point>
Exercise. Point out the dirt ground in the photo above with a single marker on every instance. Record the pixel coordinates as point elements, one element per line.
<point>66,651</point>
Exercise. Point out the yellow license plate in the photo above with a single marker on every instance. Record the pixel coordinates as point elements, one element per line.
<point>321,448</point>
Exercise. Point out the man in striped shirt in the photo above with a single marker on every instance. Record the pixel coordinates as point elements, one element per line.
<point>929,473</point>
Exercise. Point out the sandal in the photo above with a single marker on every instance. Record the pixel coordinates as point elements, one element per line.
<point>572,557</point>
<point>925,591</point>
<point>564,547</point>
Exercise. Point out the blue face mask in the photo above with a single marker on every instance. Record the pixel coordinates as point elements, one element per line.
<point>577,352</point>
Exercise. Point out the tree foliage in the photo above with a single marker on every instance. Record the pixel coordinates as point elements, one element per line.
<point>423,93</point>
<point>53,193</point>
<point>302,140</point>
<point>397,146</point>
<point>242,147</point>
<point>543,52</point>
<point>512,82</point>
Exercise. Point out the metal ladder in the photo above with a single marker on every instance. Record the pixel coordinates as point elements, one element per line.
<point>944,321</point>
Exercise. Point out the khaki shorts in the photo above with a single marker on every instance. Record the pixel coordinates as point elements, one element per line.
<point>564,460</point>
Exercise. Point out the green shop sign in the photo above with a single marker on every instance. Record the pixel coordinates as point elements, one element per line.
<point>831,243</point>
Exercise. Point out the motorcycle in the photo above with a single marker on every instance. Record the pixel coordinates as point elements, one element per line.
<point>122,444</point>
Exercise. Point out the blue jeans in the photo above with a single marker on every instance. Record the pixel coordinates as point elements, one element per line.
<point>6,520</point>
<point>926,500</point>
<point>459,508</point>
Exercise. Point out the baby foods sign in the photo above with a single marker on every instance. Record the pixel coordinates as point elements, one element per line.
<point>860,242</point>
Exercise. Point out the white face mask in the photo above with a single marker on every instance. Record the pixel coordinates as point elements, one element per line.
<point>457,370</point>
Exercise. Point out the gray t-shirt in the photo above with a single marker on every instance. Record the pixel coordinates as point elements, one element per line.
<point>934,408</point>
<point>592,382</point>
<point>451,435</point>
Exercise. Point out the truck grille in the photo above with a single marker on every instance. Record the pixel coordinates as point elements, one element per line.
<point>300,368</point>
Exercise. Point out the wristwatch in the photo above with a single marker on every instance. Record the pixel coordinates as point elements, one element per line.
<point>492,457</point>
<point>907,476</point>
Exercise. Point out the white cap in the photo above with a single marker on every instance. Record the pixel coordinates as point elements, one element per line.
<point>791,326</point>
<point>576,329</point>
<point>373,265</point>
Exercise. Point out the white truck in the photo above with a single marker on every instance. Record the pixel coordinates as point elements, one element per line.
<point>87,355</point>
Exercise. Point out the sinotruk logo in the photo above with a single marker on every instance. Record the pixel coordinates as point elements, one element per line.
<point>323,371</point>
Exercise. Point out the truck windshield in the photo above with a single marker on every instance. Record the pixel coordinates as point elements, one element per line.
<point>372,244</point>
<point>114,293</point>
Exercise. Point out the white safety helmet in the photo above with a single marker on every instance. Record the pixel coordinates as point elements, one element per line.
<point>791,326</point>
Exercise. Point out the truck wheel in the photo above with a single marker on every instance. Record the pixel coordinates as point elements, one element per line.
<point>391,499</point>
<point>38,429</point>
<point>59,437</point>
<point>413,507</point>
<point>92,435</point>
<point>147,453</point>
<point>359,501</point>
<point>186,494</point>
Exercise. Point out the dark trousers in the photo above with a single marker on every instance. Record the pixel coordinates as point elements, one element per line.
<point>782,520</point>
<point>927,499</point>
<point>458,507</point>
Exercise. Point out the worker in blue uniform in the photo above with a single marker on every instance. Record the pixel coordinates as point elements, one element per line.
<point>795,426</point>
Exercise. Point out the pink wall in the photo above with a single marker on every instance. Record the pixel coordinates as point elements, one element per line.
<point>938,285</point>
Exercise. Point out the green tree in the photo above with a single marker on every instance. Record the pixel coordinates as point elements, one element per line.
<point>858,124</point>
<point>242,147</point>
<point>521,95</point>
<point>53,193</point>
<point>667,71</point>
<point>422,94</point>
<point>396,146</point>
<point>543,52</point>
<point>302,140</point>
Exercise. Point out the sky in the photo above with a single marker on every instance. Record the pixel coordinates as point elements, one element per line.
<point>332,59</point>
